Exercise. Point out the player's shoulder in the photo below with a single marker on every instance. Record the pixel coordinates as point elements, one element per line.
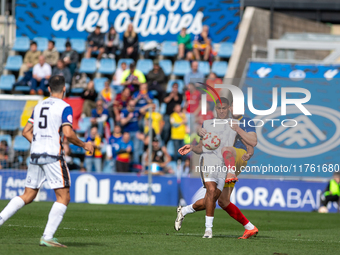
<point>207,123</point>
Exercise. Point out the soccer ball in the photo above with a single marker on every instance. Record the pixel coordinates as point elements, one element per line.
<point>323,209</point>
<point>211,141</point>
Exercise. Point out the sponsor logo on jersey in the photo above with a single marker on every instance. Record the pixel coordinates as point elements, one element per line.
<point>69,118</point>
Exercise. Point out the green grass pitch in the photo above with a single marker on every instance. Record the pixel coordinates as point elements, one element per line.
<point>122,229</point>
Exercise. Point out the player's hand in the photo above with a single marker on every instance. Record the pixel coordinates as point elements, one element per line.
<point>234,125</point>
<point>201,132</point>
<point>185,149</point>
<point>89,147</point>
<point>246,156</point>
<point>130,115</point>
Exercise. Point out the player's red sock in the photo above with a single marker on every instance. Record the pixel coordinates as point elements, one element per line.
<point>229,159</point>
<point>235,213</point>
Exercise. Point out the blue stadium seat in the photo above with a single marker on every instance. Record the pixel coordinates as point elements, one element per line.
<point>99,83</point>
<point>204,67</point>
<point>88,65</point>
<point>226,49</point>
<point>13,63</point>
<point>84,125</point>
<point>170,148</point>
<point>163,109</point>
<point>21,44</point>
<point>24,89</point>
<point>7,138</point>
<point>77,91</point>
<point>10,114</point>
<point>21,144</point>
<point>76,149</point>
<point>128,61</point>
<point>118,88</point>
<point>169,48</point>
<point>173,166</point>
<point>107,66</point>
<point>59,43</point>
<point>144,65</point>
<point>79,45</point>
<point>166,66</point>
<point>219,68</point>
<point>6,82</point>
<point>42,43</point>
<point>180,85</point>
<point>181,67</point>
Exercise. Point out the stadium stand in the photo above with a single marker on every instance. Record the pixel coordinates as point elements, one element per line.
<point>166,65</point>
<point>60,43</point>
<point>169,49</point>
<point>219,68</point>
<point>144,65</point>
<point>21,144</point>
<point>128,61</point>
<point>99,83</point>
<point>107,66</point>
<point>13,63</point>
<point>21,44</point>
<point>204,67</point>
<point>88,65</point>
<point>6,82</point>
<point>225,50</point>
<point>41,42</point>
<point>78,45</point>
<point>181,67</point>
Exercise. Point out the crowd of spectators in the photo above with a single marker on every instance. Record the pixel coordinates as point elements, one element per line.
<point>126,98</point>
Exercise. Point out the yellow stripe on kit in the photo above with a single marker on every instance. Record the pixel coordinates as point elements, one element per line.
<point>27,112</point>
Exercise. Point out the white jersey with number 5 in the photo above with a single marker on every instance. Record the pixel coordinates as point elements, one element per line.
<point>47,118</point>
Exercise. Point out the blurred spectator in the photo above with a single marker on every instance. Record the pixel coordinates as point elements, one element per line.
<point>202,43</point>
<point>186,168</point>
<point>70,57</point>
<point>6,155</point>
<point>184,44</point>
<point>143,96</point>
<point>132,78</point>
<point>51,54</point>
<point>89,95</point>
<point>129,122</point>
<point>31,58</point>
<point>208,116</point>
<point>41,74</point>
<point>113,145</point>
<point>125,148</point>
<point>192,104</point>
<point>95,43</point>
<point>111,43</point>
<point>171,99</point>
<point>157,80</point>
<point>61,70</point>
<point>331,193</point>
<point>130,43</point>
<point>69,160</point>
<point>159,158</point>
<point>211,81</point>
<point>117,77</point>
<point>94,160</point>
<point>194,74</point>
<point>121,103</point>
<point>108,96</point>
<point>157,122</point>
<point>178,121</point>
<point>100,117</point>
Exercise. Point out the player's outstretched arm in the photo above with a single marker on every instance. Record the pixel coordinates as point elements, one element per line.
<point>72,138</point>
<point>188,147</point>
<point>28,132</point>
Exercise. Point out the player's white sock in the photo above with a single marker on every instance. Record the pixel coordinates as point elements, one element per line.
<point>54,219</point>
<point>188,209</point>
<point>12,207</point>
<point>208,222</point>
<point>249,226</point>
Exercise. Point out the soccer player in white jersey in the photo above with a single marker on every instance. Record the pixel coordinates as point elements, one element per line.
<point>50,122</point>
<point>212,174</point>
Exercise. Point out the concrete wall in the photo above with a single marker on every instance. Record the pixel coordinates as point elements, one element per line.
<point>255,30</point>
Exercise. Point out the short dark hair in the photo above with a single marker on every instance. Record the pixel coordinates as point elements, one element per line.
<point>68,44</point>
<point>57,83</point>
<point>50,41</point>
<point>33,43</point>
<point>132,65</point>
<point>4,142</point>
<point>175,83</point>
<point>223,100</point>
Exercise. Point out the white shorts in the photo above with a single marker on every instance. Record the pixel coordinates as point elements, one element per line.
<point>57,175</point>
<point>211,170</point>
